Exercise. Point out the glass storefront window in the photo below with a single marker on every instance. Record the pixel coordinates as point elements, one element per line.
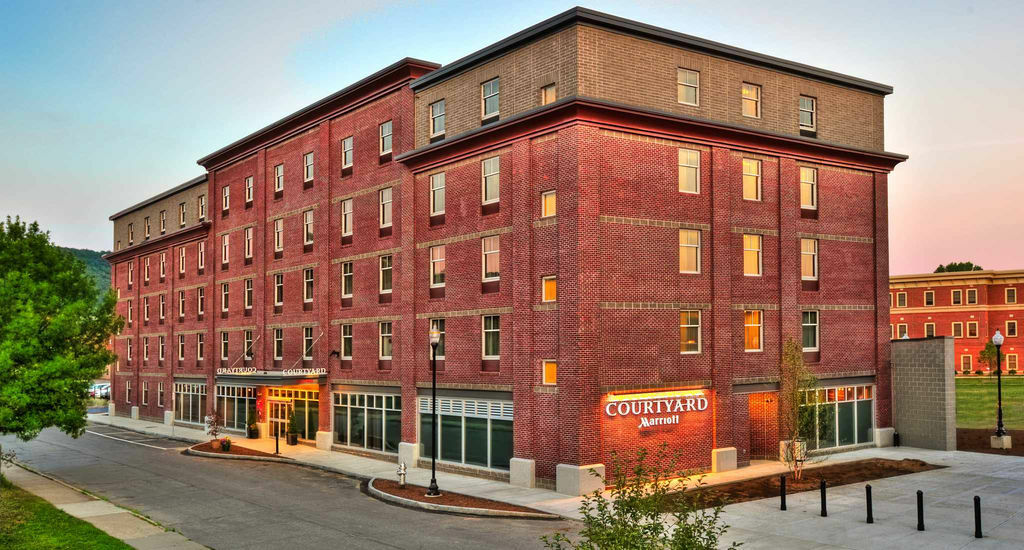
<point>235,403</point>
<point>839,416</point>
<point>189,402</point>
<point>371,421</point>
<point>474,432</point>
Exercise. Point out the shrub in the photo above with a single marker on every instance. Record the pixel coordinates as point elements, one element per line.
<point>1011,371</point>
<point>213,424</point>
<point>978,372</point>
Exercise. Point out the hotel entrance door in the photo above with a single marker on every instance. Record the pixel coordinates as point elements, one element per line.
<point>279,413</point>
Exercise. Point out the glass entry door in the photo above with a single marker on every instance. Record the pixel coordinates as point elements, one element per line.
<point>279,413</point>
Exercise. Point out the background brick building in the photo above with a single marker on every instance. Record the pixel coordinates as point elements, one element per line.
<point>612,242</point>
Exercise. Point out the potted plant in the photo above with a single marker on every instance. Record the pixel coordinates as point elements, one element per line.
<point>293,429</point>
<point>213,424</point>
<point>225,444</point>
<point>252,430</point>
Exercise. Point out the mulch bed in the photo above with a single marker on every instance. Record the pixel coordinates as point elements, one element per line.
<point>834,475</point>
<point>235,450</point>
<point>418,493</point>
<point>977,440</point>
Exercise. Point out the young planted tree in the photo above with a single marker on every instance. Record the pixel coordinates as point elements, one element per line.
<point>53,333</point>
<point>988,355</point>
<point>796,411</point>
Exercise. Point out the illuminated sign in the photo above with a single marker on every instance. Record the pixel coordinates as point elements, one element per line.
<point>286,372</point>
<point>661,408</point>
<point>238,370</point>
<point>304,372</point>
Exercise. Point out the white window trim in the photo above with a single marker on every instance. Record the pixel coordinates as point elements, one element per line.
<point>953,327</point>
<point>760,256</point>
<point>225,198</point>
<point>443,333</point>
<point>350,142</point>
<point>430,251</point>
<point>249,236</point>
<point>307,283</point>
<point>278,177</point>
<point>759,197</point>
<point>381,203</point>
<point>225,249</point>
<point>700,330</point>
<point>278,349</point>
<point>181,347</point>
<point>307,351</point>
<point>278,300</point>
<point>200,345</point>
<point>1015,328</point>
<point>380,139</point>
<point>904,295</point>
<point>249,192</point>
<point>760,329</point>
<point>967,298</point>
<point>699,246</point>
<point>201,300</point>
<point>543,202</point>
<point>815,255</point>
<point>483,180</point>
<point>952,293</point>
<point>817,330</point>
<point>225,343</point>
<point>483,338</point>
<point>756,101</point>
<point>248,287</point>
<point>543,289</point>
<point>380,273</point>
<point>181,259</point>
<point>433,117</point>
<point>1006,295</point>
<point>543,366</point>
<point>970,359</point>
<point>1016,363</point>
<point>813,111</point>
<point>351,337</point>
<point>814,188</point>
<point>926,325</point>
<point>307,167</point>
<point>279,235</point>
<point>483,99</point>
<point>433,205</point>
<point>967,334</point>
<point>681,165</point>
<point>353,273</point>
<point>926,293</point>
<point>307,227</point>
<point>380,340</point>
<point>225,295</point>
<point>350,216</point>
<point>679,71</point>
<point>906,330</point>
<point>483,259</point>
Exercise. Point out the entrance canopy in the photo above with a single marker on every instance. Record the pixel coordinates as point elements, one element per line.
<point>287,377</point>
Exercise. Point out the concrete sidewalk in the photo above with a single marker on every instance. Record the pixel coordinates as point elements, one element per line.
<point>116,522</point>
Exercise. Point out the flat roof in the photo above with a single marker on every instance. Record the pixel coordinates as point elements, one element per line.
<point>578,15</point>
<point>981,274</point>
<point>190,183</point>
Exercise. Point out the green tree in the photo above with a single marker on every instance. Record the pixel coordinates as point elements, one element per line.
<point>988,355</point>
<point>957,266</point>
<point>796,411</point>
<point>53,333</point>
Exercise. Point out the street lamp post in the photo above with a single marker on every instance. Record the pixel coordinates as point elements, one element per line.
<point>997,339</point>
<point>435,338</point>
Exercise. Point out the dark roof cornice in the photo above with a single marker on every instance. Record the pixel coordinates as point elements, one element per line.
<point>160,242</point>
<point>580,15</point>
<point>190,183</point>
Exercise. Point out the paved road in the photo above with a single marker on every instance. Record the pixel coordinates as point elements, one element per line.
<point>242,504</point>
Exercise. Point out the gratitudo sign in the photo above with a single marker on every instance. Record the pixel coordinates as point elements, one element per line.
<point>656,409</point>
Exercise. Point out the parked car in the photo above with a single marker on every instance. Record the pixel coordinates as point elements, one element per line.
<point>100,391</point>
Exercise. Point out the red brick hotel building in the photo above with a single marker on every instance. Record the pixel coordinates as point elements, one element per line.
<point>615,226</point>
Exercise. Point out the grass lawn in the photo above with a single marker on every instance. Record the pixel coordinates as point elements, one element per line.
<point>28,522</point>
<point>976,402</point>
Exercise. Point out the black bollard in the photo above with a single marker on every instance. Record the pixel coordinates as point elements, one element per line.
<point>920,511</point>
<point>867,491</point>
<point>782,491</point>
<point>977,517</point>
<point>824,510</point>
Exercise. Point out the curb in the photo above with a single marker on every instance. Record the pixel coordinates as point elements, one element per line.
<point>444,508</point>
<point>193,452</point>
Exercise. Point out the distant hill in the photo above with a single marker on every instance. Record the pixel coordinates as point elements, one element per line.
<point>95,265</point>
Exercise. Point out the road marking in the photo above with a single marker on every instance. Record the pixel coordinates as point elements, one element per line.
<point>127,441</point>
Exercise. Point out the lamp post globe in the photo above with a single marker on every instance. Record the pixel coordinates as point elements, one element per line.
<point>997,340</point>
<point>435,338</point>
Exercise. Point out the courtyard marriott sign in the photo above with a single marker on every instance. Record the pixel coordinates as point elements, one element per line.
<point>656,408</point>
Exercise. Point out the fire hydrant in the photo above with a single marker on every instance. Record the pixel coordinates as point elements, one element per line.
<point>401,475</point>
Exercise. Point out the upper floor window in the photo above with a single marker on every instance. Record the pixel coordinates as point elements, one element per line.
<point>385,274</point>
<point>489,95</point>
<point>689,251</point>
<point>753,330</point>
<point>808,187</point>
<point>385,207</point>
<point>958,330</point>
<point>1011,295</point>
<point>131,234</point>
<point>307,284</point>
<point>1011,329</point>
<point>491,258</point>
<point>346,217</point>
<point>278,289</point>
<point>225,248</point>
<point>307,167</point>
<point>202,207</point>
<point>163,221</point>
<point>307,343</point>
<point>929,330</point>
<point>131,273</point>
<point>751,179</point>
<point>437,269</point>
<point>200,300</point>
<point>385,138</point>
<point>346,152</point>
<point>346,280</point>
<point>181,260</point>
<point>689,171</point>
<point>181,213</point>
<point>225,290</point>
<point>901,299</point>
<point>751,100</point>
<point>549,289</point>
<point>247,295</point>
<point>248,189</point>
<point>437,118</point>
<point>247,344</point>
<point>145,226</point>
<point>278,178</point>
<point>278,234</point>
<point>972,329</point>
<point>549,373</point>
<point>809,259</point>
<point>929,297</point>
<point>437,183</point>
<point>810,330</point>
<point>492,336</point>
<point>224,345</point>
<point>346,341</point>
<point>490,170</point>
<point>956,297</point>
<point>201,254</point>
<point>181,347</point>
<point>688,86</point>
<point>548,94</point>
<point>385,340</point>
<point>278,343</point>
<point>548,206</point>
<point>307,227</point>
<point>808,114</point>
<point>248,241</point>
<point>752,255</point>
<point>225,197</point>
<point>689,332</point>
<point>972,296</point>
<point>163,264</point>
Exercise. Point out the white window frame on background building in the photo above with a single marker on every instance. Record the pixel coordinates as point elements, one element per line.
<point>181,303</point>
<point>278,177</point>
<point>278,289</point>
<point>225,198</point>
<point>548,94</point>
<point>225,248</point>
<point>145,348</point>
<point>437,193</point>
<point>689,249</point>
<point>163,221</point>
<point>163,265</point>
<point>751,179</point>
<point>1010,295</point>
<point>181,259</point>
<point>549,372</point>
<point>386,212</point>
<point>901,330</point>
<point>248,293</point>
<point>437,266</point>
<point>488,90</point>
<point>181,214</point>
<point>486,252</point>
<point>809,106</point>
<point>128,348</point>
<point>753,318</point>
<point>386,144</point>
<point>811,319</point>
<point>809,259</point>
<point>201,300</point>
<point>128,391</point>
<point>161,347</point>
<point>966,362</point>
<point>279,235</point>
<point>548,208</point>
<point>549,289</point>
<point>929,298</point>
<point>438,324</point>
<point>307,227</point>
<point>181,347</point>
<point>162,307</point>
<point>247,344</point>
<point>750,97</point>
<point>202,207</point>
<point>145,392</point>
<point>225,290</point>
<point>201,255</point>
<point>307,167</point>
<point>687,81</point>
<point>689,320</point>
<point>346,217</point>
<point>808,188</point>
<point>307,343</point>
<point>347,279</point>
<point>901,299</point>
<point>346,342</point>
<point>753,245</point>
<point>385,340</point>
<point>689,171</point>
<point>278,344</point>
<point>160,394</point>
<point>929,330</point>
<point>225,345</point>
<point>307,285</point>
<point>485,332</point>
<point>1011,329</point>
<point>972,296</point>
<point>249,232</point>
<point>437,118</point>
<point>145,270</point>
<point>200,346</point>
<point>957,329</point>
<point>248,189</point>
<point>956,297</point>
<point>972,329</point>
<point>389,260</point>
<point>347,155</point>
<point>490,179</point>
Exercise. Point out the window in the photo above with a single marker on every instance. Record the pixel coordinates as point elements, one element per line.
<point>181,213</point>
<point>1011,295</point>
<point>145,226</point>
<point>548,206</point>
<point>145,348</point>
<point>549,289</point>
<point>224,290</point>
<point>235,404</point>
<point>129,312</point>
<point>437,194</point>
<point>1011,362</point>
<point>128,389</point>
<point>225,250</point>
<point>972,329</point>
<point>1011,329</point>
<point>489,94</point>
<point>128,349</point>
<point>145,271</point>
<point>160,347</point>
<point>307,167</point>
<point>307,343</point>
<point>490,170</point>
<point>200,300</point>
<point>892,332</point>
<point>472,431</point>
<point>163,221</point>
<point>181,260</point>
<point>278,235</point>
<point>958,330</point>
<point>162,306</point>
<point>181,347</point>
<point>248,294</point>
<point>159,394</point>
<point>548,94</point>
<point>131,273</point>
<point>437,118</point>
<point>131,234</point>
<point>966,362</point>
<point>225,198</point>
<point>145,392</point>
<point>689,171</point>
<point>181,303</point>
<point>385,274</point>
<point>492,336</point>
<point>808,116</point>
<point>223,346</point>
<point>438,325</point>
<point>248,189</point>
<point>752,255</point>
<point>491,258</point>
<point>929,330</point>
<point>248,241</point>
<point>437,266</point>
<point>163,264</point>
<point>346,152</point>
<point>549,373</point>
<point>346,280</point>
<point>838,416</point>
<point>929,298</point>
<point>385,340</point>
<point>751,179</point>
<point>278,289</point>
<point>202,255</point>
<point>385,138</point>
<point>385,207</point>
<point>145,308</point>
<point>901,299</point>
<point>955,297</point>
<point>689,251</point>
<point>751,95</point>
<point>752,330</point>
<point>307,288</point>
<point>688,87</point>
<point>307,227</point>
<point>810,330</point>
<point>202,207</point>
<point>278,178</point>
<point>689,332</point>
<point>278,344</point>
<point>808,188</point>
<point>346,217</point>
<point>346,341</point>
<point>809,259</point>
<point>972,296</point>
<point>367,420</point>
<point>200,345</point>
<point>189,402</point>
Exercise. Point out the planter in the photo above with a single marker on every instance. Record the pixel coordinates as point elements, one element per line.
<point>226,445</point>
<point>252,432</point>
<point>215,443</point>
<point>293,439</point>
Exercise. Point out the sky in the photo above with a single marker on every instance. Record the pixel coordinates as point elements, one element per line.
<point>103,104</point>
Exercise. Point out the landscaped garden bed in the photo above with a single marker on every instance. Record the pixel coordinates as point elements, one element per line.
<point>843,473</point>
<point>236,450</point>
<point>418,493</point>
<point>978,440</point>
